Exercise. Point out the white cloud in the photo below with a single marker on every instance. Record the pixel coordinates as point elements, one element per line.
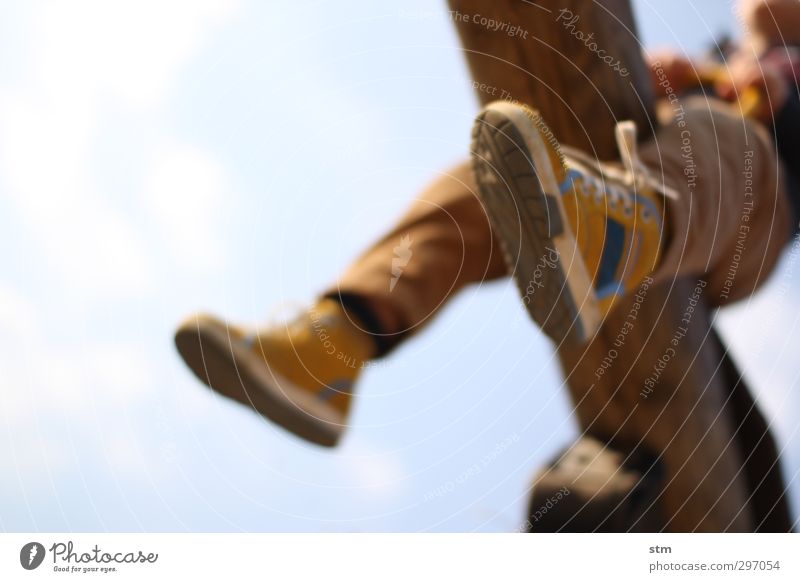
<point>134,49</point>
<point>46,381</point>
<point>88,66</point>
<point>376,472</point>
<point>45,163</point>
<point>54,395</point>
<point>20,323</point>
<point>19,319</point>
<point>79,53</point>
<point>184,192</point>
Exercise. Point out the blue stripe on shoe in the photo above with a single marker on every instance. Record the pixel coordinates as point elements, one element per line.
<point>651,207</point>
<point>567,185</point>
<point>612,254</point>
<point>613,288</point>
<point>338,387</point>
<point>639,200</point>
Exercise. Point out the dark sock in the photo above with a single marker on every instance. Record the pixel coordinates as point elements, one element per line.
<point>359,308</point>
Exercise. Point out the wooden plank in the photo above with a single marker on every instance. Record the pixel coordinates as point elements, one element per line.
<point>688,419</point>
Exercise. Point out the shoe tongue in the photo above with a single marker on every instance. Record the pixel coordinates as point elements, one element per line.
<point>625,133</point>
<point>637,173</point>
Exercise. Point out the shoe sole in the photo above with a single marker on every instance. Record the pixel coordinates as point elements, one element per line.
<point>522,199</point>
<point>236,372</point>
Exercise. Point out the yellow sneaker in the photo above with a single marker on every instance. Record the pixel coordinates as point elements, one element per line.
<point>576,234</point>
<point>299,375</point>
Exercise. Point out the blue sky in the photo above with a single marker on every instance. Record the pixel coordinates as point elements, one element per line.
<point>161,156</point>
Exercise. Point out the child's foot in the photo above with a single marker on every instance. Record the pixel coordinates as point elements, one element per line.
<point>575,234</point>
<point>299,375</point>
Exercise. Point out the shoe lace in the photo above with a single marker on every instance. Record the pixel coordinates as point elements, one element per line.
<point>284,316</point>
<point>600,187</point>
<point>636,174</point>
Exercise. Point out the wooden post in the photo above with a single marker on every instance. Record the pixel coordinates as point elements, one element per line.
<point>583,87</point>
<point>579,62</point>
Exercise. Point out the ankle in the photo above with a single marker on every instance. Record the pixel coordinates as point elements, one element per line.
<point>351,328</point>
<point>368,318</point>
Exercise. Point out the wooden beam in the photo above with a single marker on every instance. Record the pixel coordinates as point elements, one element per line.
<point>579,62</point>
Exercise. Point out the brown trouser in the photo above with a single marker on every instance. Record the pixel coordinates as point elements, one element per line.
<point>720,461</point>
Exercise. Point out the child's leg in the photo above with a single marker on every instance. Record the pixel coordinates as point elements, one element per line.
<point>443,243</point>
<point>733,218</point>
